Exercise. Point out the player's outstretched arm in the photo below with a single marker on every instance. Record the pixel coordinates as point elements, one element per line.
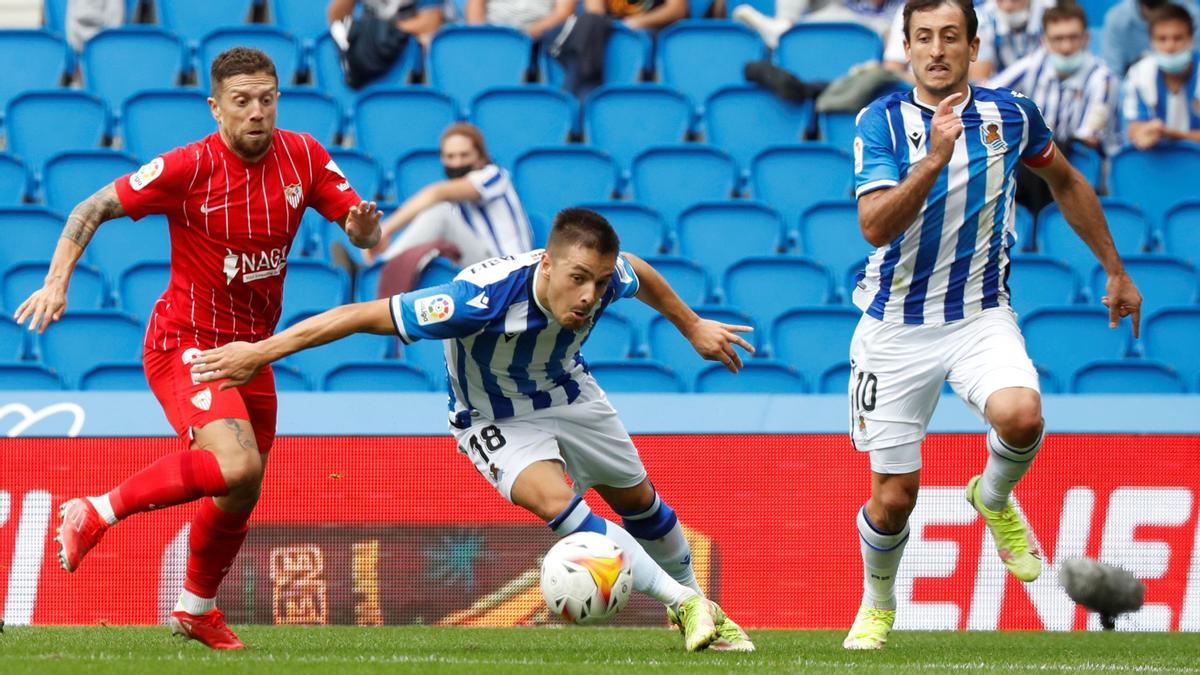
<point>453,190</point>
<point>361,224</point>
<point>237,362</point>
<point>1078,202</point>
<point>48,303</point>
<point>713,340</point>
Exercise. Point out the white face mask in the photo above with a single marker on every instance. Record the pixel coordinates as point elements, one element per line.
<point>1174,64</point>
<point>1016,19</point>
<point>1067,65</point>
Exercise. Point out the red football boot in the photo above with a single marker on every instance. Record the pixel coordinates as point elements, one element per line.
<point>209,628</point>
<point>80,531</point>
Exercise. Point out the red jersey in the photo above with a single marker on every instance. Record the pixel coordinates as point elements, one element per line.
<point>232,224</point>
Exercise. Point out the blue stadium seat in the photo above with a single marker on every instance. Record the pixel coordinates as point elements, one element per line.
<point>12,340</point>
<point>1089,162</point>
<point>625,120</point>
<point>358,347</point>
<point>837,128</point>
<point>689,280</point>
<point>310,111</point>
<point>425,113</point>
<point>455,66</point>
<point>827,175</point>
<point>119,62</point>
<point>288,378</point>
<point>1025,225</point>
<point>416,170</point>
<point>328,75</point>
<point>87,289</point>
<point>283,49</point>
<point>1063,339</point>
<point>361,170</point>
<point>515,119</point>
<point>115,377</point>
<point>1163,281</point>
<point>624,57</point>
<point>718,234</point>
<point>814,339</point>
<point>366,286</point>
<point>377,376</point>
<point>43,60</point>
<point>829,233</point>
<point>747,120</point>
<point>121,244</point>
<point>14,181</point>
<point>636,377</point>
<point>109,337</point>
<point>1095,10</point>
<point>28,377</point>
<point>698,57</point>
<point>1170,336</point>
<point>540,228</point>
<point>1056,237</point>
<point>193,20</point>
<point>1127,376</point>
<point>29,234</point>
<point>756,377</point>
<point>70,177</point>
<point>439,271</point>
<point>538,174</point>
<point>142,284</point>
<point>667,345</point>
<point>767,7</point>
<point>642,230</point>
<point>826,51</point>
<point>835,379</point>
<point>753,286</point>
<point>672,179</point>
<point>1037,281</point>
<point>306,19</point>
<point>1181,231</point>
<point>1155,179</point>
<point>311,287</point>
<point>612,339</point>
<point>428,355</point>
<point>142,115</point>
<point>41,124</point>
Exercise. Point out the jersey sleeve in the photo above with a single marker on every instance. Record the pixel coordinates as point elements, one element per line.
<point>457,309</point>
<point>159,186</point>
<point>1039,150</point>
<point>875,165</point>
<point>625,282</point>
<point>491,182</point>
<point>330,192</point>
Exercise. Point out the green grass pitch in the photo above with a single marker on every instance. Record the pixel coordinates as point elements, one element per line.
<point>291,650</point>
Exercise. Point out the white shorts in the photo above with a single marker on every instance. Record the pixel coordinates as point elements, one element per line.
<point>586,436</point>
<point>897,371</point>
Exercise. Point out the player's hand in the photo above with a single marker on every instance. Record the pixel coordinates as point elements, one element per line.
<point>944,129</point>
<point>715,340</point>
<point>236,363</point>
<point>1122,299</point>
<point>45,305</point>
<point>362,222</point>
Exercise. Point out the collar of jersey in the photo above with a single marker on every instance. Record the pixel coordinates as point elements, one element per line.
<point>912,96</point>
<point>533,291</point>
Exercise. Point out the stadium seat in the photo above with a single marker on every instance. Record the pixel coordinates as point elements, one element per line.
<point>636,377</point>
<point>119,62</point>
<point>755,377</point>
<point>1127,376</point>
<point>718,234</point>
<point>283,49</point>
<point>312,112</point>
<point>142,121</point>
<point>316,363</point>
<point>825,51</point>
<point>425,113</point>
<point>747,120</point>
<point>456,69</point>
<point>361,170</point>
<point>311,287</point>
<point>43,60</point>
<point>377,376</point>
<point>540,229</point>
<point>1155,179</point>
<point>14,181</point>
<point>115,377</point>
<point>1047,382</point>
<point>1056,237</point>
<point>624,57</point>
<point>193,20</point>
<point>697,57</point>
<point>814,339</point>
<point>70,177</point>
<point>416,170</point>
<point>625,120</point>
<point>30,234</point>
<point>439,271</point>
<point>306,19</point>
<point>366,286</point>
<point>429,356</point>
<point>329,77</point>
<point>612,339</point>
<point>538,177</point>
<point>28,377</point>
<point>642,230</point>
<point>1089,162</point>
<point>1036,280</point>
<point>515,119</point>
<point>689,280</point>
<point>121,244</point>
<point>1163,281</point>
<point>829,233</point>
<point>108,336</point>
<point>288,378</point>
<point>1063,339</point>
<point>835,379</point>
<point>1025,225</point>
<point>142,284</point>
<point>12,340</point>
<point>827,173</point>
<point>1181,231</point>
<point>41,124</point>
<point>765,287</point>
<point>837,129</point>
<point>668,346</point>
<point>672,179</point>
<point>1170,336</point>
<point>87,289</point>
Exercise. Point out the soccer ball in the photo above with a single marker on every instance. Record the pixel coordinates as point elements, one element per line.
<point>586,578</point>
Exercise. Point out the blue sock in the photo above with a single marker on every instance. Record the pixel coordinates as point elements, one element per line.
<point>659,532</point>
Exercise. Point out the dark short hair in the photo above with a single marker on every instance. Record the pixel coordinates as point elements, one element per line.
<point>1064,11</point>
<point>471,132</point>
<point>1172,12</point>
<point>967,7</point>
<point>586,228</point>
<point>240,61</point>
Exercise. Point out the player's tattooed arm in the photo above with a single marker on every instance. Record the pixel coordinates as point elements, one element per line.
<point>87,215</point>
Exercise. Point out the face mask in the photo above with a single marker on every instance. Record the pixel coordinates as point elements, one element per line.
<point>1066,65</point>
<point>1174,64</point>
<point>456,171</point>
<point>1016,19</point>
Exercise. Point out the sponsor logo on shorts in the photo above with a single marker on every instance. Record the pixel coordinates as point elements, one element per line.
<point>434,309</point>
<point>146,174</point>
<point>203,399</point>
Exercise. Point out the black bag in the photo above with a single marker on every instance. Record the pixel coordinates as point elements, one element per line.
<point>375,44</point>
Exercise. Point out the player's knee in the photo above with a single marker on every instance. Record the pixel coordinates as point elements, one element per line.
<point>243,473</point>
<point>1018,420</point>
<point>892,507</point>
<point>547,502</point>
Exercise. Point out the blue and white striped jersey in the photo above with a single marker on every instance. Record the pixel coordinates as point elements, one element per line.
<point>952,261</point>
<point>1080,106</point>
<point>1003,45</point>
<point>506,355</point>
<point>1147,96</point>
<point>498,219</point>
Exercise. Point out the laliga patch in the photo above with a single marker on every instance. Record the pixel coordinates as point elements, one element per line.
<point>858,154</point>
<point>146,174</point>
<point>294,193</point>
<point>332,166</point>
<point>434,309</point>
<point>203,399</point>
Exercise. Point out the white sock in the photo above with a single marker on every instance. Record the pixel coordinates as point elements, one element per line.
<point>660,533</point>
<point>104,508</point>
<point>881,553</point>
<point>648,577</point>
<point>1005,466</point>
<point>193,604</point>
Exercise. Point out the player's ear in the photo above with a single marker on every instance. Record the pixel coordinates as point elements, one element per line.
<point>214,108</point>
<point>974,49</point>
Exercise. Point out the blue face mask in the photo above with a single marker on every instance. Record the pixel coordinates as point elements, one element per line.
<point>1174,64</point>
<point>1067,65</point>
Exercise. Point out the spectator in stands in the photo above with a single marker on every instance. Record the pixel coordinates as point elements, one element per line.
<point>1126,35</point>
<point>1009,30</point>
<point>535,18</point>
<point>1162,91</point>
<point>420,18</point>
<point>85,18</point>
<point>640,14</point>
<point>874,14</point>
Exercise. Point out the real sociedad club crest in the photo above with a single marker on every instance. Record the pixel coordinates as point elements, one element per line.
<point>990,134</point>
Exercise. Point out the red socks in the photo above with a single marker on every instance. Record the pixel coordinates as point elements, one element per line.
<point>214,542</point>
<point>175,479</point>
